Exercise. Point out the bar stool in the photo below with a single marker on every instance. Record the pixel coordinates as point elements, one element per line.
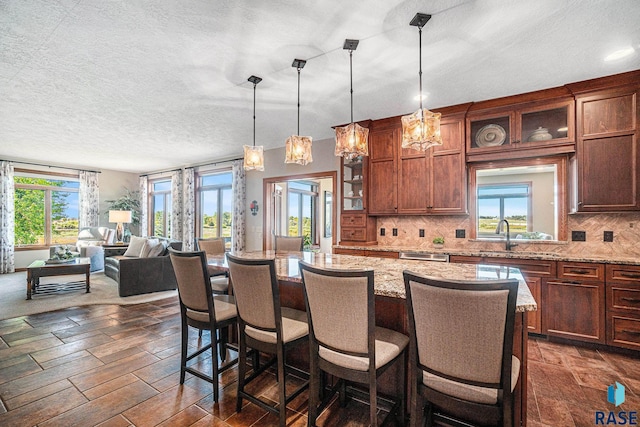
<point>219,279</point>
<point>460,351</point>
<point>344,340</point>
<point>201,310</point>
<point>265,326</point>
<point>289,244</point>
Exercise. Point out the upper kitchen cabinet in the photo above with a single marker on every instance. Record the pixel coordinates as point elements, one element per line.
<point>606,166</point>
<point>408,182</point>
<point>529,125</point>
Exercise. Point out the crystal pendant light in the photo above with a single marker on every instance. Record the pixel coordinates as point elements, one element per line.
<point>421,130</point>
<point>298,148</point>
<point>351,140</point>
<point>254,156</point>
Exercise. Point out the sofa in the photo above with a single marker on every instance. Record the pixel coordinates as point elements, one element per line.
<point>137,272</point>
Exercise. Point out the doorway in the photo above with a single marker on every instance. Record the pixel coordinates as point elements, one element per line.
<point>301,205</point>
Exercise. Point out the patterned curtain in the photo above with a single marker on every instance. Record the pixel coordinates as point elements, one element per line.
<point>176,205</point>
<point>239,189</point>
<point>189,210</point>
<point>89,199</point>
<point>144,205</point>
<point>7,218</point>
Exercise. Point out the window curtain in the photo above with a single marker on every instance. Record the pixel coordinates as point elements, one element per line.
<point>7,218</point>
<point>89,199</point>
<point>238,187</point>
<point>189,210</point>
<point>176,205</point>
<point>143,186</point>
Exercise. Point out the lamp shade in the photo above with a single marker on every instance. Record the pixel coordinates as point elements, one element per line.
<point>120,216</point>
<point>351,141</point>
<point>253,157</point>
<point>421,130</point>
<point>298,150</point>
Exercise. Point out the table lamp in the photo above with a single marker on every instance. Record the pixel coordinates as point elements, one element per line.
<point>120,217</point>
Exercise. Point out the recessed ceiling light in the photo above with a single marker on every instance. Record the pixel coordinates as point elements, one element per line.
<point>619,54</point>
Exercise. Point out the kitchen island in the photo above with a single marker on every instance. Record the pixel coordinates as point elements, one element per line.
<point>390,297</point>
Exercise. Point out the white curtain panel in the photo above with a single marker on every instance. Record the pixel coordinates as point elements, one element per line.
<point>176,205</point>
<point>239,187</point>
<point>189,210</point>
<point>7,218</point>
<point>143,186</point>
<point>89,199</point>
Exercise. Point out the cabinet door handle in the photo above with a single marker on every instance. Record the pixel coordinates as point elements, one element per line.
<point>579,271</point>
<point>632,275</point>
<point>626,331</point>
<point>630,299</point>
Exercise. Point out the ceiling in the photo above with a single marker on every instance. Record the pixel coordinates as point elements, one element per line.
<point>147,85</point>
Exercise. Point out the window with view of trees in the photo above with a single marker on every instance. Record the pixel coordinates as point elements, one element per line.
<point>215,210</point>
<point>46,210</point>
<point>504,201</point>
<point>160,207</point>
<point>302,205</point>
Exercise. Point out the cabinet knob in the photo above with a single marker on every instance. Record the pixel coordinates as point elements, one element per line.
<point>632,275</point>
<point>579,271</point>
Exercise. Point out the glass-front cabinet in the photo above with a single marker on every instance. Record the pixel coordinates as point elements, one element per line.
<point>352,184</point>
<point>356,227</point>
<point>523,129</point>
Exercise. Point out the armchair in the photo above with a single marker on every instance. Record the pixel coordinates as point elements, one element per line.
<point>89,245</point>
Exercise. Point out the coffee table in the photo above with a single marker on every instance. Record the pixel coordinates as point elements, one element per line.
<point>40,268</point>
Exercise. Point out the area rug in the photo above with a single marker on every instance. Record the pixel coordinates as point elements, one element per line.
<point>104,290</point>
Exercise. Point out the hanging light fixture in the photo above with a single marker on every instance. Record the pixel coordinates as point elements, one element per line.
<point>351,140</point>
<point>254,156</point>
<point>421,130</point>
<point>298,148</point>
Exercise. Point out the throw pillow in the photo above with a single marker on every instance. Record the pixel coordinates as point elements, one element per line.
<point>135,246</point>
<point>157,250</point>
<point>149,245</point>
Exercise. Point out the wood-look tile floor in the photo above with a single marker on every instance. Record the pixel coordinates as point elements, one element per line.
<point>119,366</point>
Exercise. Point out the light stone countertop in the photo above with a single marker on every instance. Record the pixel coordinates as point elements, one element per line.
<point>388,277</point>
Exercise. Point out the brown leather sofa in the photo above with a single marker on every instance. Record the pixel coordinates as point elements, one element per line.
<point>137,275</point>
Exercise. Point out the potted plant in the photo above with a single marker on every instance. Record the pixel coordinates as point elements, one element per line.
<point>438,242</point>
<point>129,202</point>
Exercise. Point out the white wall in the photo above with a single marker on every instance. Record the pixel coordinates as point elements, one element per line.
<point>324,160</point>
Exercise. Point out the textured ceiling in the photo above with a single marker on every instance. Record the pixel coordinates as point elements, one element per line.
<point>146,85</point>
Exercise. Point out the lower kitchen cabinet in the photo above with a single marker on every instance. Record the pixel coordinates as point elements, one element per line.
<point>623,305</point>
<point>575,302</point>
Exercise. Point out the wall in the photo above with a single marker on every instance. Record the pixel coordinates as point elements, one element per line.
<point>324,160</point>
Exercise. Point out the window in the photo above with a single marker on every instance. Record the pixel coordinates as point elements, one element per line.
<point>504,201</point>
<point>215,206</point>
<point>160,207</point>
<point>302,211</point>
<point>46,209</point>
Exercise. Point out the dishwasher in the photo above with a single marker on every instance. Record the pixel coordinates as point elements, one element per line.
<point>420,256</point>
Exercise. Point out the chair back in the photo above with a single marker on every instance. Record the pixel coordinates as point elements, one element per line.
<point>191,273</point>
<point>463,330</point>
<point>211,246</point>
<point>255,288</point>
<point>289,244</point>
<point>340,308</point>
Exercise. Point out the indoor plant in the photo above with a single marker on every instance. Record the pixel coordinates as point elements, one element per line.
<point>438,242</point>
<point>130,201</point>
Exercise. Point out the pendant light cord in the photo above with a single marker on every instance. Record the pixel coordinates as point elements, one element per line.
<point>298,101</point>
<point>420,62</point>
<point>254,114</point>
<point>351,80</point>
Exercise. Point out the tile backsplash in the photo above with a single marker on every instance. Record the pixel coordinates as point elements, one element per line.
<point>625,228</point>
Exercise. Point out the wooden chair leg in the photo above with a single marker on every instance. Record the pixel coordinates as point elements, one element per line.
<point>342,393</point>
<point>282,389</point>
<point>373,401</point>
<point>242,367</point>
<point>214,364</point>
<point>224,339</point>
<point>315,385</point>
<point>183,350</point>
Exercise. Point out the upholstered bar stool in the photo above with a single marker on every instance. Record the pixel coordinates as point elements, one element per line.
<point>344,339</point>
<point>219,279</point>
<point>201,310</point>
<point>460,351</point>
<point>289,244</point>
<point>265,326</point>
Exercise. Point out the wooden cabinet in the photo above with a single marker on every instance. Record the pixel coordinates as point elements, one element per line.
<point>409,182</point>
<point>607,163</point>
<point>623,305</point>
<point>356,227</point>
<point>575,302</point>
<point>527,125</point>
<point>366,252</point>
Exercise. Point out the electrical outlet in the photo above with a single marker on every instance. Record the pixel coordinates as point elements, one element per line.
<point>579,236</point>
<point>394,231</point>
<point>421,232</point>
<point>382,231</point>
<point>460,234</point>
<point>608,236</point>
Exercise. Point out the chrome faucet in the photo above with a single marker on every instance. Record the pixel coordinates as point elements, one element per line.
<point>509,245</point>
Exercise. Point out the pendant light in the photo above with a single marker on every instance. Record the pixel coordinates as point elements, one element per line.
<point>254,156</point>
<point>421,130</point>
<point>351,140</point>
<point>298,148</point>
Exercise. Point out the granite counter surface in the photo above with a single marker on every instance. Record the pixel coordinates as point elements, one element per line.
<point>388,277</point>
<point>549,256</point>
